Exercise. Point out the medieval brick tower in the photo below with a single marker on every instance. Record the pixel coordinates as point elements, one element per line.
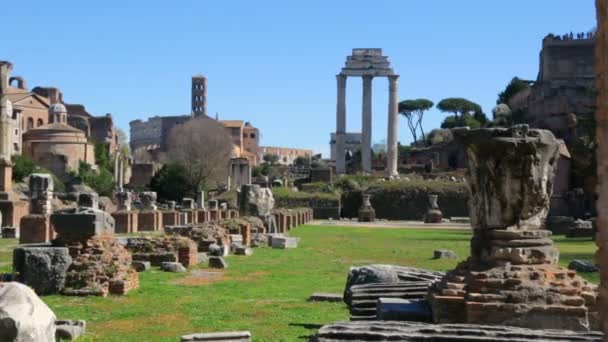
<point>199,96</point>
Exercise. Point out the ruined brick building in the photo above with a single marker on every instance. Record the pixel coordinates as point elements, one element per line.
<point>55,134</point>
<point>149,138</point>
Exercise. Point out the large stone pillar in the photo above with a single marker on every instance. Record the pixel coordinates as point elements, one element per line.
<point>391,142</point>
<point>6,129</point>
<point>341,125</point>
<point>601,119</point>
<point>366,125</point>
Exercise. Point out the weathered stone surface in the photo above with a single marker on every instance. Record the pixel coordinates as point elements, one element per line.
<point>23,316</point>
<point>174,267</point>
<point>444,254</point>
<point>284,242</point>
<point>583,266</point>
<point>410,331</point>
<point>88,200</point>
<point>42,268</point>
<point>217,262</point>
<point>231,336</point>
<point>325,297</point>
<point>512,277</point>
<point>10,232</point>
<point>217,250</point>
<point>398,309</point>
<point>82,223</point>
<point>365,285</point>
<point>242,250</point>
<point>70,330</point>
<point>259,240</point>
<point>255,201</point>
<point>433,215</point>
<point>203,258</point>
<point>141,266</point>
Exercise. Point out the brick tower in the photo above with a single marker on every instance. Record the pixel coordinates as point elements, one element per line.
<point>199,96</point>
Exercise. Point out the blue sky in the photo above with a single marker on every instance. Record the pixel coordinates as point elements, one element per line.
<point>273,63</point>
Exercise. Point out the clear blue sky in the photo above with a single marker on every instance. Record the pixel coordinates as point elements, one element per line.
<point>274,62</point>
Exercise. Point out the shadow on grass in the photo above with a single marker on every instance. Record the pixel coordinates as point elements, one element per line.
<point>308,326</point>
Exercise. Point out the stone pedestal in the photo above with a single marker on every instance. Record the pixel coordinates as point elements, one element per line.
<point>512,277</point>
<point>202,215</point>
<point>125,222</point>
<point>366,212</point>
<point>35,228</point>
<point>171,218</point>
<point>149,220</point>
<point>433,215</point>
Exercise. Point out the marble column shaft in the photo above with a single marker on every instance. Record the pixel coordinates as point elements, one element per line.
<point>341,125</point>
<point>366,125</point>
<point>391,144</point>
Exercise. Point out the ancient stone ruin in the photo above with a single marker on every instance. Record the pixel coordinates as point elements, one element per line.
<point>512,277</point>
<point>84,258</point>
<point>433,215</point>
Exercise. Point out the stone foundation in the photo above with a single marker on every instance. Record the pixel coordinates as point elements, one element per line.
<point>157,250</point>
<point>125,222</point>
<point>35,229</point>
<point>149,220</point>
<point>170,218</point>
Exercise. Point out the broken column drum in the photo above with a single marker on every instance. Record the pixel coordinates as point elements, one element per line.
<point>367,64</point>
<point>367,212</point>
<point>433,215</point>
<point>124,200</point>
<point>512,277</point>
<point>41,193</point>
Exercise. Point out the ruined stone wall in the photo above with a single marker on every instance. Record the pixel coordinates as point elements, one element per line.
<point>141,174</point>
<point>154,132</point>
<point>104,132</point>
<point>566,59</point>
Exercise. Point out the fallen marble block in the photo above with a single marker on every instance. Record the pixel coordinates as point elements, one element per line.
<point>174,267</point>
<point>141,266</point>
<point>69,330</point>
<point>413,331</point>
<point>217,262</point>
<point>444,254</point>
<point>582,266</point>
<point>284,242</point>
<point>231,336</point>
<point>325,297</point>
<point>242,250</point>
<point>398,309</point>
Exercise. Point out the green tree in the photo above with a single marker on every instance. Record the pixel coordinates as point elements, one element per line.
<point>302,161</point>
<point>102,181</point>
<point>458,106</point>
<point>102,157</point>
<point>22,167</point>
<point>171,182</point>
<point>515,86</point>
<point>413,110</point>
<point>271,158</point>
<point>452,121</point>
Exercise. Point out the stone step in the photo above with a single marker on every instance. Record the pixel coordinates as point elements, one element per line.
<point>362,329</point>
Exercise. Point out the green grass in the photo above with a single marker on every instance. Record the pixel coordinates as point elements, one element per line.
<point>266,293</point>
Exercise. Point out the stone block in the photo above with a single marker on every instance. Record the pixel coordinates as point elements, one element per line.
<point>398,309</point>
<point>236,238</point>
<point>24,315</point>
<point>70,330</point>
<point>231,336</point>
<point>43,268</point>
<point>10,232</point>
<point>216,250</point>
<point>325,297</point>
<point>217,262</point>
<point>174,267</point>
<point>284,242</point>
<point>444,254</point>
<point>35,229</point>
<point>242,250</point>
<point>203,258</point>
<point>82,222</point>
<point>141,266</point>
<point>88,200</point>
<point>433,216</point>
<point>582,266</point>
<point>462,220</point>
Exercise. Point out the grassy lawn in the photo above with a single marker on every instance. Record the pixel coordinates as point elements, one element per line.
<point>265,293</point>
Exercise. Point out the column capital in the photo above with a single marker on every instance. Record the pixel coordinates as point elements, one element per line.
<point>367,77</point>
<point>393,77</point>
<point>341,77</point>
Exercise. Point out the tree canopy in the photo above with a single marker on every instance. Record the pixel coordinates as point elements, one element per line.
<point>172,183</point>
<point>413,110</point>
<point>458,106</point>
<point>203,147</point>
<point>515,86</point>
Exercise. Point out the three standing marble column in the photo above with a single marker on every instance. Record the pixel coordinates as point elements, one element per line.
<point>366,125</point>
